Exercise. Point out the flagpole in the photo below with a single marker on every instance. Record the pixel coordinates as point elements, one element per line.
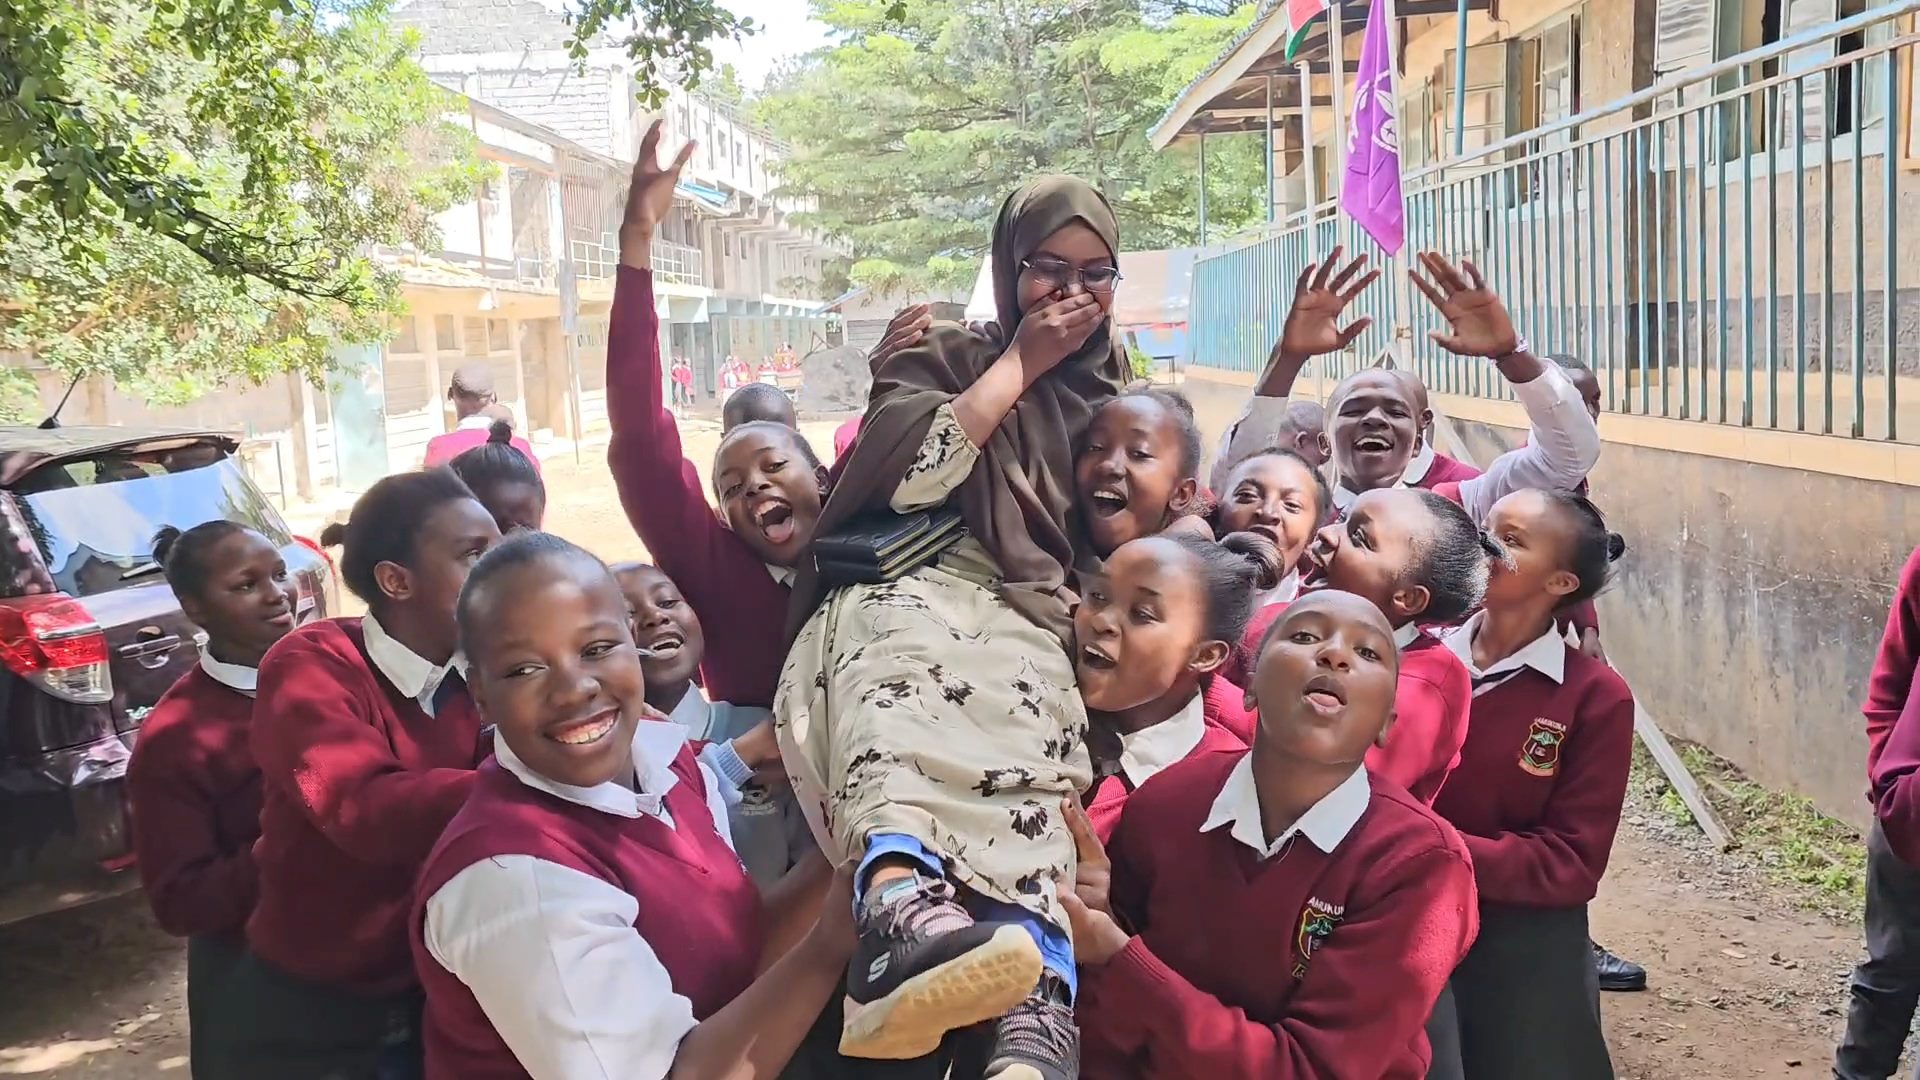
<point>1313,198</point>
<point>1337,63</point>
<point>1403,318</point>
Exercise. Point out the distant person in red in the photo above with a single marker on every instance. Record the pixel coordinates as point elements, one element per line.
<point>1282,912</point>
<point>192,783</point>
<point>471,392</point>
<point>367,740</point>
<point>681,374</point>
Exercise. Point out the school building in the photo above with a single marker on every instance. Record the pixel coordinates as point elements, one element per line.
<point>523,275</point>
<point>1713,203</point>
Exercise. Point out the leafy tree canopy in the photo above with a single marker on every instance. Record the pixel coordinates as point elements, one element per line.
<point>910,129</point>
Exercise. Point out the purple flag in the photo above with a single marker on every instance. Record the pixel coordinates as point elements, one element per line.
<point>1370,191</point>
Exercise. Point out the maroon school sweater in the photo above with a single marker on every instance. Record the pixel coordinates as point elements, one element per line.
<point>698,910</point>
<point>1538,791</point>
<point>359,783</point>
<point>1304,965</point>
<point>743,610</point>
<point>1108,796</point>
<point>1430,704</point>
<point>195,797</point>
<point>1893,666</point>
<point>1446,470</point>
<point>1895,783</point>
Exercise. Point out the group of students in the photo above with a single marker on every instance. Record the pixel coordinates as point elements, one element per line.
<point>1140,775</point>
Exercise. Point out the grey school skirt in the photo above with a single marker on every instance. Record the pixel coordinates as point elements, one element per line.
<point>1526,1000</point>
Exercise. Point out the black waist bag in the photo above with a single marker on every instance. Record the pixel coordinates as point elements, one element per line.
<point>884,547</point>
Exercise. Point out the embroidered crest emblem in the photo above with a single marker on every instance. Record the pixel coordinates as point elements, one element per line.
<point>1317,921</point>
<point>1540,754</point>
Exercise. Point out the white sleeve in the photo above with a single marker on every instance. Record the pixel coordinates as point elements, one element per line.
<point>1256,428</point>
<point>553,959</point>
<point>1562,446</point>
<point>717,803</point>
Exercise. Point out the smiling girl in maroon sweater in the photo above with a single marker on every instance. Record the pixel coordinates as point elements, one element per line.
<point>736,568</point>
<point>1150,633</point>
<point>367,741</point>
<point>1278,913</point>
<point>192,784</point>
<point>585,913</point>
<point>1282,496</point>
<point>1537,797</point>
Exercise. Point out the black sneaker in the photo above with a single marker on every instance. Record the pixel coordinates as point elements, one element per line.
<point>1038,1039</point>
<point>923,967</point>
<point>1617,974</point>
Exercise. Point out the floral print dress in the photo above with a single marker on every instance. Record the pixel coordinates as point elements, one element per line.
<point>928,706</point>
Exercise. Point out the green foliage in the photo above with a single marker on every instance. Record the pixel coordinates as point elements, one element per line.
<point>1140,364</point>
<point>911,129</point>
<point>192,190</point>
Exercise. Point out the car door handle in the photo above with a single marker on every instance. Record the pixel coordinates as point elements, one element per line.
<point>159,646</point>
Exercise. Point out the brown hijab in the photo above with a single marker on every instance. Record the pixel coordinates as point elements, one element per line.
<point>1019,499</point>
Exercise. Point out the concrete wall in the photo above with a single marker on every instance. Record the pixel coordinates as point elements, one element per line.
<point>1749,605</point>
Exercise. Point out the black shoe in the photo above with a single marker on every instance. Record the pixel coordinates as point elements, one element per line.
<point>923,967</point>
<point>1038,1039</point>
<point>1617,974</point>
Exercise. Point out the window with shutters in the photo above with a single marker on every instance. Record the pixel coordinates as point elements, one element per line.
<point>1485,94</point>
<point>1825,93</point>
<point>444,336</point>
<point>497,336</point>
<point>473,335</point>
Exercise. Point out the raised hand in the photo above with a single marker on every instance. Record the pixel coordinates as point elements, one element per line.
<point>904,332</point>
<point>1320,298</point>
<point>1480,323</point>
<point>649,198</point>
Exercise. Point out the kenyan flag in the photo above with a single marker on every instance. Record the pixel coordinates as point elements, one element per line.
<point>1301,13</point>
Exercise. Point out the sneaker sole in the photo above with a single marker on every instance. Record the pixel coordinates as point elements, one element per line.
<point>1015,1072</point>
<point>974,987</point>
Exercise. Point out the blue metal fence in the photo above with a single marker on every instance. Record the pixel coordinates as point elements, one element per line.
<point>1724,246</point>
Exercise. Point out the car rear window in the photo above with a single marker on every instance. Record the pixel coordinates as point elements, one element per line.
<point>93,519</point>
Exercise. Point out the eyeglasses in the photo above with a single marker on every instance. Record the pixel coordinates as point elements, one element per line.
<point>1059,272</point>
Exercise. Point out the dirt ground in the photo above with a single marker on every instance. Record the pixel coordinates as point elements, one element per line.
<point>1746,983</point>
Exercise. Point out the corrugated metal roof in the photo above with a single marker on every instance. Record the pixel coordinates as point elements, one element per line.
<point>1268,9</point>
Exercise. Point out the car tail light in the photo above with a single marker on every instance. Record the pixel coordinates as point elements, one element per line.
<point>314,546</point>
<point>53,642</point>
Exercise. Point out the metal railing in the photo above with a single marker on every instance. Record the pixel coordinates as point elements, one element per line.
<point>598,258</point>
<point>1723,246</point>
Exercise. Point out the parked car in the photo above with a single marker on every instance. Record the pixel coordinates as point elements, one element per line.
<point>91,636</point>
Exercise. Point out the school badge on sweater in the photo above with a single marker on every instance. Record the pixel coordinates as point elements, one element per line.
<point>1540,754</point>
<point>1317,921</point>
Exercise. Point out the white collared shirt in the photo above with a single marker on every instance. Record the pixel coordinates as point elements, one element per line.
<point>476,422</point>
<point>1284,593</point>
<point>1546,654</point>
<point>1151,749</point>
<point>1326,823</point>
<point>551,954</point>
<point>408,671</point>
<point>1404,636</point>
<point>782,574</point>
<point>232,676</point>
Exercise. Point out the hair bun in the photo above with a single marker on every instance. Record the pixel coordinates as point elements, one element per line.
<point>500,432</point>
<point>1616,546</point>
<point>333,535</point>
<point>163,541</point>
<point>1263,557</point>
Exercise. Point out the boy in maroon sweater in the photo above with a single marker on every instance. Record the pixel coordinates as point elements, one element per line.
<point>367,741</point>
<point>1537,798</point>
<point>1886,986</point>
<point>735,568</point>
<point>192,785</point>
<point>1350,902</point>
